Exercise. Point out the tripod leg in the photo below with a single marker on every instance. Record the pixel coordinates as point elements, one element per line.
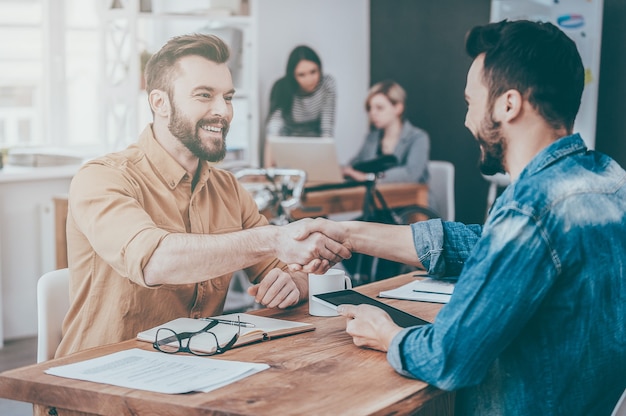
<point>363,270</point>
<point>357,276</point>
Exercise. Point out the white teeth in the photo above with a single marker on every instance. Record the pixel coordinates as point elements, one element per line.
<point>212,128</point>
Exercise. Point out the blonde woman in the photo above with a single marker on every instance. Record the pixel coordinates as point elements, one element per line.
<point>392,134</point>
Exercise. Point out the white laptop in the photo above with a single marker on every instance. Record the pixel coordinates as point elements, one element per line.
<point>317,156</point>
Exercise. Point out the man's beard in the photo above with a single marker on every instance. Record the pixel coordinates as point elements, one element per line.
<point>492,146</point>
<point>183,129</point>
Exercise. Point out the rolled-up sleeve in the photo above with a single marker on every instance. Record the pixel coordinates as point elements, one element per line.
<point>394,354</point>
<point>443,246</point>
<point>479,321</point>
<point>113,221</point>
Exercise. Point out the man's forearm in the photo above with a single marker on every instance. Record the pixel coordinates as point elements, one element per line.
<point>392,242</point>
<point>191,258</point>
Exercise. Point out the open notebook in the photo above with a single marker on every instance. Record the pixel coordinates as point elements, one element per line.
<point>317,156</point>
<point>264,329</point>
<point>423,290</point>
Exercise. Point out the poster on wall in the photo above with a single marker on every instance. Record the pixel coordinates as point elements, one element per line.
<point>581,20</point>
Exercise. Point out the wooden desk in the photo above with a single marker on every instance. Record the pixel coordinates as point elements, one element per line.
<point>334,201</point>
<point>318,372</point>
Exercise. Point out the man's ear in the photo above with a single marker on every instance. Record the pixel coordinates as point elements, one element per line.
<point>159,102</point>
<point>509,105</point>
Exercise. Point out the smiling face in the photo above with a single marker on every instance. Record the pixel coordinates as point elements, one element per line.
<point>307,75</point>
<point>479,120</point>
<point>201,106</point>
<point>383,112</point>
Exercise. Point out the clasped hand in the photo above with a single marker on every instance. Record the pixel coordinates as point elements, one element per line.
<point>304,246</point>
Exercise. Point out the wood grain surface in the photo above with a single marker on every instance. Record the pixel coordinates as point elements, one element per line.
<point>318,372</point>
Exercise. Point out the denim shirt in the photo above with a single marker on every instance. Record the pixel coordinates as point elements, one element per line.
<point>536,324</point>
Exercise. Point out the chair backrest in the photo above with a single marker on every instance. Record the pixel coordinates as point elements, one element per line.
<point>499,180</point>
<point>620,407</point>
<point>53,302</point>
<point>441,185</point>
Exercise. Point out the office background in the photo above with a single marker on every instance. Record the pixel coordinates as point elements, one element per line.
<point>339,33</point>
<point>417,42</point>
<point>420,43</point>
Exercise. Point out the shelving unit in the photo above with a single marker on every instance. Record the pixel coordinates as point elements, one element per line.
<point>129,31</point>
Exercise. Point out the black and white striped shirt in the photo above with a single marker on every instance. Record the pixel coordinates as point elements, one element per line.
<point>312,114</point>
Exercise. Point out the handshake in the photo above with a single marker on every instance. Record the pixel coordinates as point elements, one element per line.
<point>313,245</point>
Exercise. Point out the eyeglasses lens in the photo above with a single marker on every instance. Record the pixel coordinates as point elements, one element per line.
<point>203,343</point>
<point>167,341</point>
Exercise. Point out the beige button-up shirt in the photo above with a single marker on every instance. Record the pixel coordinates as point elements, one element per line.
<point>120,208</point>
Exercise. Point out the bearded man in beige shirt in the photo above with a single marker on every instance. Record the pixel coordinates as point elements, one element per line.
<point>155,231</point>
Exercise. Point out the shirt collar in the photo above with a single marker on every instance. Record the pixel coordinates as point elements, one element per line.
<point>556,151</point>
<point>169,169</point>
<point>405,134</point>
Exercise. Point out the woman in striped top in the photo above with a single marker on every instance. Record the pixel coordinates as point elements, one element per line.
<point>302,103</point>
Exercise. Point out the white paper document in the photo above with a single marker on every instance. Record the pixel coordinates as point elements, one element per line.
<point>426,290</point>
<point>159,372</point>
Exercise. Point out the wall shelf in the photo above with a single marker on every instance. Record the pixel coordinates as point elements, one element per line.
<point>127,33</point>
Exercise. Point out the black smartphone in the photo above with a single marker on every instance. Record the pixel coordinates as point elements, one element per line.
<point>352,297</point>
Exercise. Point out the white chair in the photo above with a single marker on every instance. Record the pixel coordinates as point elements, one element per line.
<point>499,180</point>
<point>53,302</point>
<point>441,185</point>
<point>620,407</point>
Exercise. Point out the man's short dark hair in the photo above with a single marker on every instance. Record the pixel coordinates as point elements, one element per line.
<point>162,64</point>
<point>536,59</point>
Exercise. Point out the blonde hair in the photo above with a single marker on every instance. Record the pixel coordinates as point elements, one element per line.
<point>390,89</point>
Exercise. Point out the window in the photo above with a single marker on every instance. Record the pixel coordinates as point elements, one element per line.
<point>49,60</point>
<point>21,67</point>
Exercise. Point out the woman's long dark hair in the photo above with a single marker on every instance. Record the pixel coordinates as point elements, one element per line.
<point>286,88</point>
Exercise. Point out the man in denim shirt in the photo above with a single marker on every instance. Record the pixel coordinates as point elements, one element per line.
<point>536,324</point>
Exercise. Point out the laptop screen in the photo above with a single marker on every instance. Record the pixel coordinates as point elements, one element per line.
<point>317,156</point>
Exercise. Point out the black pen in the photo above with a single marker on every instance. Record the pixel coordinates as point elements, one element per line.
<point>431,292</point>
<point>228,322</point>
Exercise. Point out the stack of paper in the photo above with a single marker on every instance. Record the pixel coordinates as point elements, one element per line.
<point>425,290</point>
<point>159,372</point>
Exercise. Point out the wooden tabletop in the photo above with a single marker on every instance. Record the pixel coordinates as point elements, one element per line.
<point>332,201</point>
<point>318,372</point>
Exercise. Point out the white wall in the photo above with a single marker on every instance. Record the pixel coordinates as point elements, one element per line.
<point>339,32</point>
<point>26,241</point>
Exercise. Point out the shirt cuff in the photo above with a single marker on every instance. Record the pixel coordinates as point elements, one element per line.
<point>428,242</point>
<point>138,251</point>
<point>394,353</point>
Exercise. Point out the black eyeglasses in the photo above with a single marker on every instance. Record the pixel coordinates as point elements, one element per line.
<point>202,342</point>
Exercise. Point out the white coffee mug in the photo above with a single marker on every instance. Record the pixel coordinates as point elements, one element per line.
<point>331,281</point>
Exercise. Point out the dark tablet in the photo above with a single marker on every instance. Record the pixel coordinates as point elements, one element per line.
<point>352,297</point>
